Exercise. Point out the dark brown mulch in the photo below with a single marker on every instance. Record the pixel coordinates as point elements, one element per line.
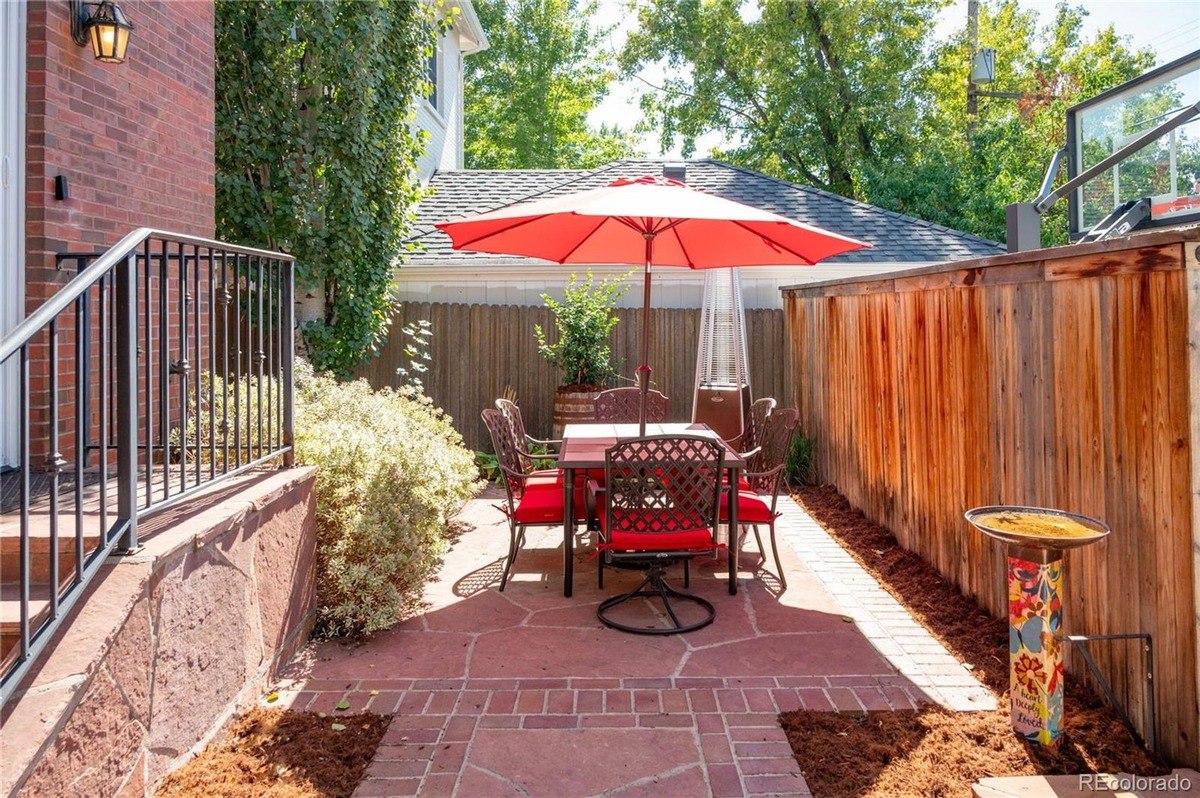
<point>278,753</point>
<point>933,752</point>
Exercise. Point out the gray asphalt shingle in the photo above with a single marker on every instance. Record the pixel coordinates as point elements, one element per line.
<point>896,238</point>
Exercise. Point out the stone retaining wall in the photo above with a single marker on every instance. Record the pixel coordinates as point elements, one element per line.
<point>169,644</point>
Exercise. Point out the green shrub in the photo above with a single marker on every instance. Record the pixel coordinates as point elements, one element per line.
<point>584,320</point>
<point>233,437</point>
<point>488,465</point>
<point>392,470</point>
<point>801,469</point>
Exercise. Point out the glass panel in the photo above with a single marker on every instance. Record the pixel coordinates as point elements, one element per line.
<point>1167,170</point>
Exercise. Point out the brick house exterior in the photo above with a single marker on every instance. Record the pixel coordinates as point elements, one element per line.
<point>135,140</point>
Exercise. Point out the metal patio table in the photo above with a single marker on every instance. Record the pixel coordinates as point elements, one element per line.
<point>583,447</point>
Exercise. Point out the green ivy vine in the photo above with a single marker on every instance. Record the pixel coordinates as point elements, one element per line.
<point>316,149</point>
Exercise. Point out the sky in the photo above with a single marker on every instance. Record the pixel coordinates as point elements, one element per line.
<point>1170,27</point>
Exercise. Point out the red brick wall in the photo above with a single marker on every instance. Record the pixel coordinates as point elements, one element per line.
<point>135,140</point>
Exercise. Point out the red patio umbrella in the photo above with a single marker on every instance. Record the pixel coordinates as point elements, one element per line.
<point>650,221</point>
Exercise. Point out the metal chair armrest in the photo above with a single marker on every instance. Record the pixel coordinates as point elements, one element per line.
<point>531,456</point>
<point>762,474</point>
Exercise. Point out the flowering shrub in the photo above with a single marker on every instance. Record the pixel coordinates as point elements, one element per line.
<point>391,472</point>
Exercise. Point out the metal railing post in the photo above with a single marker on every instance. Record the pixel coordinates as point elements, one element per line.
<point>127,401</point>
<point>289,362</point>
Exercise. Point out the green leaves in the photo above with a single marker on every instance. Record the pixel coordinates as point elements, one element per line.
<point>861,99</point>
<point>315,153</point>
<point>583,320</point>
<point>391,471</point>
<point>808,90</point>
<point>529,94</point>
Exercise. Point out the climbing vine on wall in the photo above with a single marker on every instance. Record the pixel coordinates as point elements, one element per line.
<point>316,150</point>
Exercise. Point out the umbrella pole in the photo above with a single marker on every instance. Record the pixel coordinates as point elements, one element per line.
<point>643,372</point>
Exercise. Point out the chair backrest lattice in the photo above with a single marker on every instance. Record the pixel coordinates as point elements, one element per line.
<point>508,452</point>
<point>663,484</point>
<point>512,414</point>
<point>774,444</point>
<point>623,405</point>
<point>759,410</point>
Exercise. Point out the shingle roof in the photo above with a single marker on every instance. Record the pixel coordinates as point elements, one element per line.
<point>897,238</point>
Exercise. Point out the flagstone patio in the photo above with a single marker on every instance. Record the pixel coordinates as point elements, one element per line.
<point>526,693</point>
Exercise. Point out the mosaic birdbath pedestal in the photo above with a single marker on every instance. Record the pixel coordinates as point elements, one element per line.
<point>1036,539</point>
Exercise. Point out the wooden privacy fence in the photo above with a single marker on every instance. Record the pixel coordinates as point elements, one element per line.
<point>479,350</point>
<point>1064,378</point>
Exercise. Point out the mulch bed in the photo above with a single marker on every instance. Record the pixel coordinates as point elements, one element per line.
<point>278,753</point>
<point>934,752</point>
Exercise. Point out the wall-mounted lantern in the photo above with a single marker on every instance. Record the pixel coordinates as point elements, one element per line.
<point>105,28</point>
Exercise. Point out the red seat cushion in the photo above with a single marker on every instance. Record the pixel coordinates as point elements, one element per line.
<point>743,483</point>
<point>544,477</point>
<point>543,504</point>
<point>554,476</point>
<point>752,508</point>
<point>669,539</point>
<point>695,540</point>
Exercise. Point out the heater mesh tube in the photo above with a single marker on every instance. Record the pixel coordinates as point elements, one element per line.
<point>722,393</point>
<point>721,357</point>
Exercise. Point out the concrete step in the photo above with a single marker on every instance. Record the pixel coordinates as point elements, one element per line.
<point>10,617</point>
<point>40,547</point>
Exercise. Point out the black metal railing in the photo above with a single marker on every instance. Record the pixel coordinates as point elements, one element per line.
<point>164,366</point>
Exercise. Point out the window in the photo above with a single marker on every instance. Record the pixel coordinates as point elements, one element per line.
<point>433,75</point>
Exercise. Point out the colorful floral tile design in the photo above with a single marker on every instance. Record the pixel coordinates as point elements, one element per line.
<point>1035,649</point>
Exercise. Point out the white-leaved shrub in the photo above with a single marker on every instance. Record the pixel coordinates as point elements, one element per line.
<point>391,471</point>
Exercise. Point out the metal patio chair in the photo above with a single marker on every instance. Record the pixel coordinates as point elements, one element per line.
<point>526,442</point>
<point>758,487</point>
<point>757,417</point>
<point>622,406</point>
<point>530,499</point>
<point>660,507</point>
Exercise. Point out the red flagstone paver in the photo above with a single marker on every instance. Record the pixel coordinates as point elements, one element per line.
<point>526,693</point>
<point>602,759</point>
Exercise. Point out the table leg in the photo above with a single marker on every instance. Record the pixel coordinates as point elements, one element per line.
<point>568,531</point>
<point>733,530</point>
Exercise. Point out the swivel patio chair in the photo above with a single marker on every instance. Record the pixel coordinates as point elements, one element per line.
<point>660,507</point>
<point>530,501</point>
<point>622,405</point>
<point>758,489</point>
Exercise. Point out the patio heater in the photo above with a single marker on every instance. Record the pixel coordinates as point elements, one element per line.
<point>722,396</point>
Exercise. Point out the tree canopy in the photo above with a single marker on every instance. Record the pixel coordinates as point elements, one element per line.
<point>851,97</point>
<point>529,94</point>
<point>316,153</point>
<point>964,180</point>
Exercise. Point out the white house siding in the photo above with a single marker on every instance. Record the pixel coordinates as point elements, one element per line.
<point>444,149</point>
<point>672,287</point>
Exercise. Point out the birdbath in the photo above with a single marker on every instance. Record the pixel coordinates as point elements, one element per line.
<point>1036,538</point>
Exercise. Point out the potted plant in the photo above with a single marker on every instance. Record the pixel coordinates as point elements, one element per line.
<point>584,319</point>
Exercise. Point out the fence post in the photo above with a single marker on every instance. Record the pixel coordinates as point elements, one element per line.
<point>289,364</point>
<point>127,401</point>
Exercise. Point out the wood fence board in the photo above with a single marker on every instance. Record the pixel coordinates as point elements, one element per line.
<point>1064,382</point>
<point>479,350</point>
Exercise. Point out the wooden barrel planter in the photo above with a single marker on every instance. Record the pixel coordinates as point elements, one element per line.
<point>573,407</point>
